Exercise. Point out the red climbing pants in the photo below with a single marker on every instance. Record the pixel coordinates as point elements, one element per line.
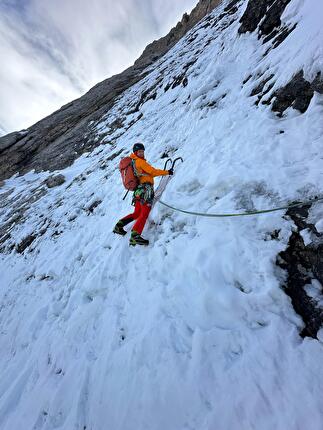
<point>140,214</point>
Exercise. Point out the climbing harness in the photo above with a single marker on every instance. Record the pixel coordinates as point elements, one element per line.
<point>144,193</point>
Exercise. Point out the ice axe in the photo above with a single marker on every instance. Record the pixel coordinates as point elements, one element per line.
<point>173,162</point>
<point>177,159</point>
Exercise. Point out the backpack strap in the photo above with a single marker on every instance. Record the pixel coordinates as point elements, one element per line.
<point>136,171</point>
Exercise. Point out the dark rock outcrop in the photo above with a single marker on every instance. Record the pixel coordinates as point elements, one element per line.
<point>264,15</point>
<point>271,21</point>
<point>54,181</point>
<point>57,140</point>
<point>25,243</point>
<point>253,14</point>
<point>17,213</point>
<point>10,139</point>
<point>303,263</point>
<point>297,93</point>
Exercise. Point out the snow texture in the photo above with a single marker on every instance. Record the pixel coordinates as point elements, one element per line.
<point>192,332</point>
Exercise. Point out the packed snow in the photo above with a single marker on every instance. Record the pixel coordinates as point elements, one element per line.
<point>194,331</point>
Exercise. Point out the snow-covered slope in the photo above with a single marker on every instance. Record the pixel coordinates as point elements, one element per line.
<point>194,331</point>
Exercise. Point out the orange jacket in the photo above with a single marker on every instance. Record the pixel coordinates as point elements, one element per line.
<point>145,171</point>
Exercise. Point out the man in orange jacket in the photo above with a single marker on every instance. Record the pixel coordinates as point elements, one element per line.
<point>143,196</point>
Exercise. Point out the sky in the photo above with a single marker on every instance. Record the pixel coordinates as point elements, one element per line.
<point>53,51</point>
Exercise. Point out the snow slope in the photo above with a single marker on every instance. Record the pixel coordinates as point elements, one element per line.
<point>193,332</point>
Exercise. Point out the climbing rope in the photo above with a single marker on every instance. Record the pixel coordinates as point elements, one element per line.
<point>263,211</point>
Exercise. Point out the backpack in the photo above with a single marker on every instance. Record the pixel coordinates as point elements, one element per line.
<point>128,174</point>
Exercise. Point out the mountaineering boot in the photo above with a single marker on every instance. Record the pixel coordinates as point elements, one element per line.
<point>118,228</point>
<point>136,239</point>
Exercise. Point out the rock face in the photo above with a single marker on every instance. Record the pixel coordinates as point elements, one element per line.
<point>263,13</point>
<point>303,263</point>
<point>297,93</point>
<point>10,139</point>
<point>57,140</point>
<point>54,181</point>
<point>264,17</point>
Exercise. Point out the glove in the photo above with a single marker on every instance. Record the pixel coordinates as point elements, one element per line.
<point>171,172</point>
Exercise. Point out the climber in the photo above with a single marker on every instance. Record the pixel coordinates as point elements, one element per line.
<point>143,196</point>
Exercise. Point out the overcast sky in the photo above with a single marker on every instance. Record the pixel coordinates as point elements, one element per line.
<point>53,51</point>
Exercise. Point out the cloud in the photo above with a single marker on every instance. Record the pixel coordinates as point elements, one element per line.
<point>52,52</point>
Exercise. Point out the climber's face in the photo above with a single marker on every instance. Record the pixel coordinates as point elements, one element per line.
<point>140,153</point>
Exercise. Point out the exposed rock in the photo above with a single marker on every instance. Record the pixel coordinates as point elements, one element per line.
<point>25,243</point>
<point>253,14</point>
<point>16,207</point>
<point>57,140</point>
<point>92,206</point>
<point>259,88</point>
<point>280,35</point>
<point>231,7</point>
<point>182,78</point>
<point>264,15</point>
<point>303,263</point>
<point>271,21</point>
<point>149,94</point>
<point>297,94</point>
<point>317,84</point>
<point>246,79</point>
<point>54,181</point>
<point>10,139</point>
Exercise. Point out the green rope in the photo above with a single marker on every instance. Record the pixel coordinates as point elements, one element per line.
<point>243,213</point>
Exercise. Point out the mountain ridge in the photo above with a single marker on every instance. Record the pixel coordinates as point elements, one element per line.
<point>56,141</point>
